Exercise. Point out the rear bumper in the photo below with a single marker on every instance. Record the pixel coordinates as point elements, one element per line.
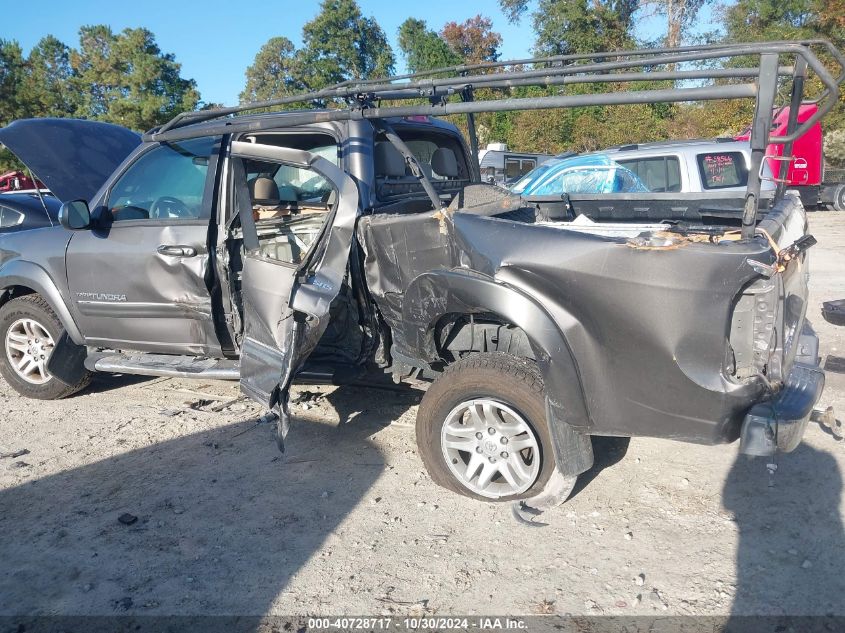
<point>778,424</point>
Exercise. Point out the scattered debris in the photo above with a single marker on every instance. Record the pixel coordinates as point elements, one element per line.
<point>640,580</point>
<point>306,396</point>
<point>546,607</point>
<point>124,603</point>
<point>657,600</point>
<point>19,465</point>
<point>827,419</point>
<point>127,519</point>
<point>264,419</point>
<point>13,454</point>
<point>629,536</point>
<point>201,405</point>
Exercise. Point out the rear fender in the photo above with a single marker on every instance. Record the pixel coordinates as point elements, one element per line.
<point>435,294</point>
<point>32,276</point>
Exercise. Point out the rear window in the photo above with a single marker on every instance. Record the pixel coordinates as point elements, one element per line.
<point>658,173</point>
<point>720,170</point>
<point>440,155</point>
<point>518,167</point>
<point>9,218</point>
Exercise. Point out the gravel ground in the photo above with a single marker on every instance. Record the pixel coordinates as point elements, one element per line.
<point>152,496</point>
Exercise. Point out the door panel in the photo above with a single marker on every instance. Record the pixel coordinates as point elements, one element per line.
<point>286,304</point>
<point>129,295</point>
<point>140,279</point>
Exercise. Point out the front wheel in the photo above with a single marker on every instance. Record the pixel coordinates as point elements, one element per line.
<point>29,330</point>
<point>481,429</point>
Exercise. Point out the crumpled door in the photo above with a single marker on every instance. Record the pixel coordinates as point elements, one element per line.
<point>286,305</point>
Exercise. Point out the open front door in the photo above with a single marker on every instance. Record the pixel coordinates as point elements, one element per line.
<point>297,213</point>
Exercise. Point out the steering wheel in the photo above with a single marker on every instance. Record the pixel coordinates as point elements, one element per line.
<point>169,207</point>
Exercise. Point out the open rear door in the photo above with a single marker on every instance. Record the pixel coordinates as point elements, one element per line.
<point>295,256</point>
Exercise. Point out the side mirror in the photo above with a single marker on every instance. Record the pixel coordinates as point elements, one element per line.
<point>75,215</point>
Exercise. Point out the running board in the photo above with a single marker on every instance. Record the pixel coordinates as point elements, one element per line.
<point>163,365</point>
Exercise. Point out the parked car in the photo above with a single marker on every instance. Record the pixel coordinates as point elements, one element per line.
<point>593,173</point>
<point>313,244</point>
<point>500,165</point>
<point>23,211</point>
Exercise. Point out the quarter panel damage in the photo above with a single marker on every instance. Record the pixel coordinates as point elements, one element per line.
<point>612,302</point>
<point>631,335</point>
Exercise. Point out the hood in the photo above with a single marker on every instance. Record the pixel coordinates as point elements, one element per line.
<point>72,157</point>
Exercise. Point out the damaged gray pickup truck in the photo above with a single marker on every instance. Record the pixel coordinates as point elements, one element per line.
<point>352,241</point>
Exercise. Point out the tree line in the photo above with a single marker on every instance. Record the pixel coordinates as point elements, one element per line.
<point>125,78</point>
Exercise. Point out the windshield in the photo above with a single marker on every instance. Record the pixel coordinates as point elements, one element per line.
<point>579,174</point>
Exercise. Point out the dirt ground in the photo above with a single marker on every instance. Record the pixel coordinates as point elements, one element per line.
<point>348,522</point>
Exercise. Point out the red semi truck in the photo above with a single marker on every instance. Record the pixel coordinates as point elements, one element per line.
<point>18,181</point>
<point>819,188</point>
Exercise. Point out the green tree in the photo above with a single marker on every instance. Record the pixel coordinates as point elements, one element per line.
<point>340,44</point>
<point>564,27</point>
<point>48,85</point>
<point>12,75</point>
<point>474,40</point>
<point>275,73</point>
<point>124,78</point>
<point>769,19</point>
<point>424,49</point>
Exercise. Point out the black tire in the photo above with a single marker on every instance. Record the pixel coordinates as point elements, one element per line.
<point>34,307</point>
<point>512,381</point>
<point>839,198</point>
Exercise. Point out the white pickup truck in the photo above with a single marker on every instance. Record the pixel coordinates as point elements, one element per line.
<point>696,166</point>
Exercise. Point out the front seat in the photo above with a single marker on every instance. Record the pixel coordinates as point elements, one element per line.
<point>264,191</point>
<point>267,200</point>
<point>444,164</point>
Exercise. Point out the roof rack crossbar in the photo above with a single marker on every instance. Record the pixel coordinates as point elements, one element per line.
<point>393,88</point>
<point>581,56</point>
<point>308,117</point>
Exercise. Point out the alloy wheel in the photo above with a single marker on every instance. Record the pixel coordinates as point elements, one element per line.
<point>28,348</point>
<point>490,448</point>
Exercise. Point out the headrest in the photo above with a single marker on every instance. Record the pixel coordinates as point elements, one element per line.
<point>264,190</point>
<point>444,163</point>
<point>389,162</point>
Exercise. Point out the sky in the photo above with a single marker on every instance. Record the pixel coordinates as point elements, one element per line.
<point>215,40</point>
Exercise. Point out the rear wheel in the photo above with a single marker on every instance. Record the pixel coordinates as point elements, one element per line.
<point>839,198</point>
<point>481,429</point>
<point>29,330</point>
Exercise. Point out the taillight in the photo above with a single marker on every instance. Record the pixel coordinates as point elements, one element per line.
<point>753,335</point>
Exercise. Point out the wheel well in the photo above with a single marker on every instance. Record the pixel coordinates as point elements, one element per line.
<point>13,292</point>
<point>459,335</point>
